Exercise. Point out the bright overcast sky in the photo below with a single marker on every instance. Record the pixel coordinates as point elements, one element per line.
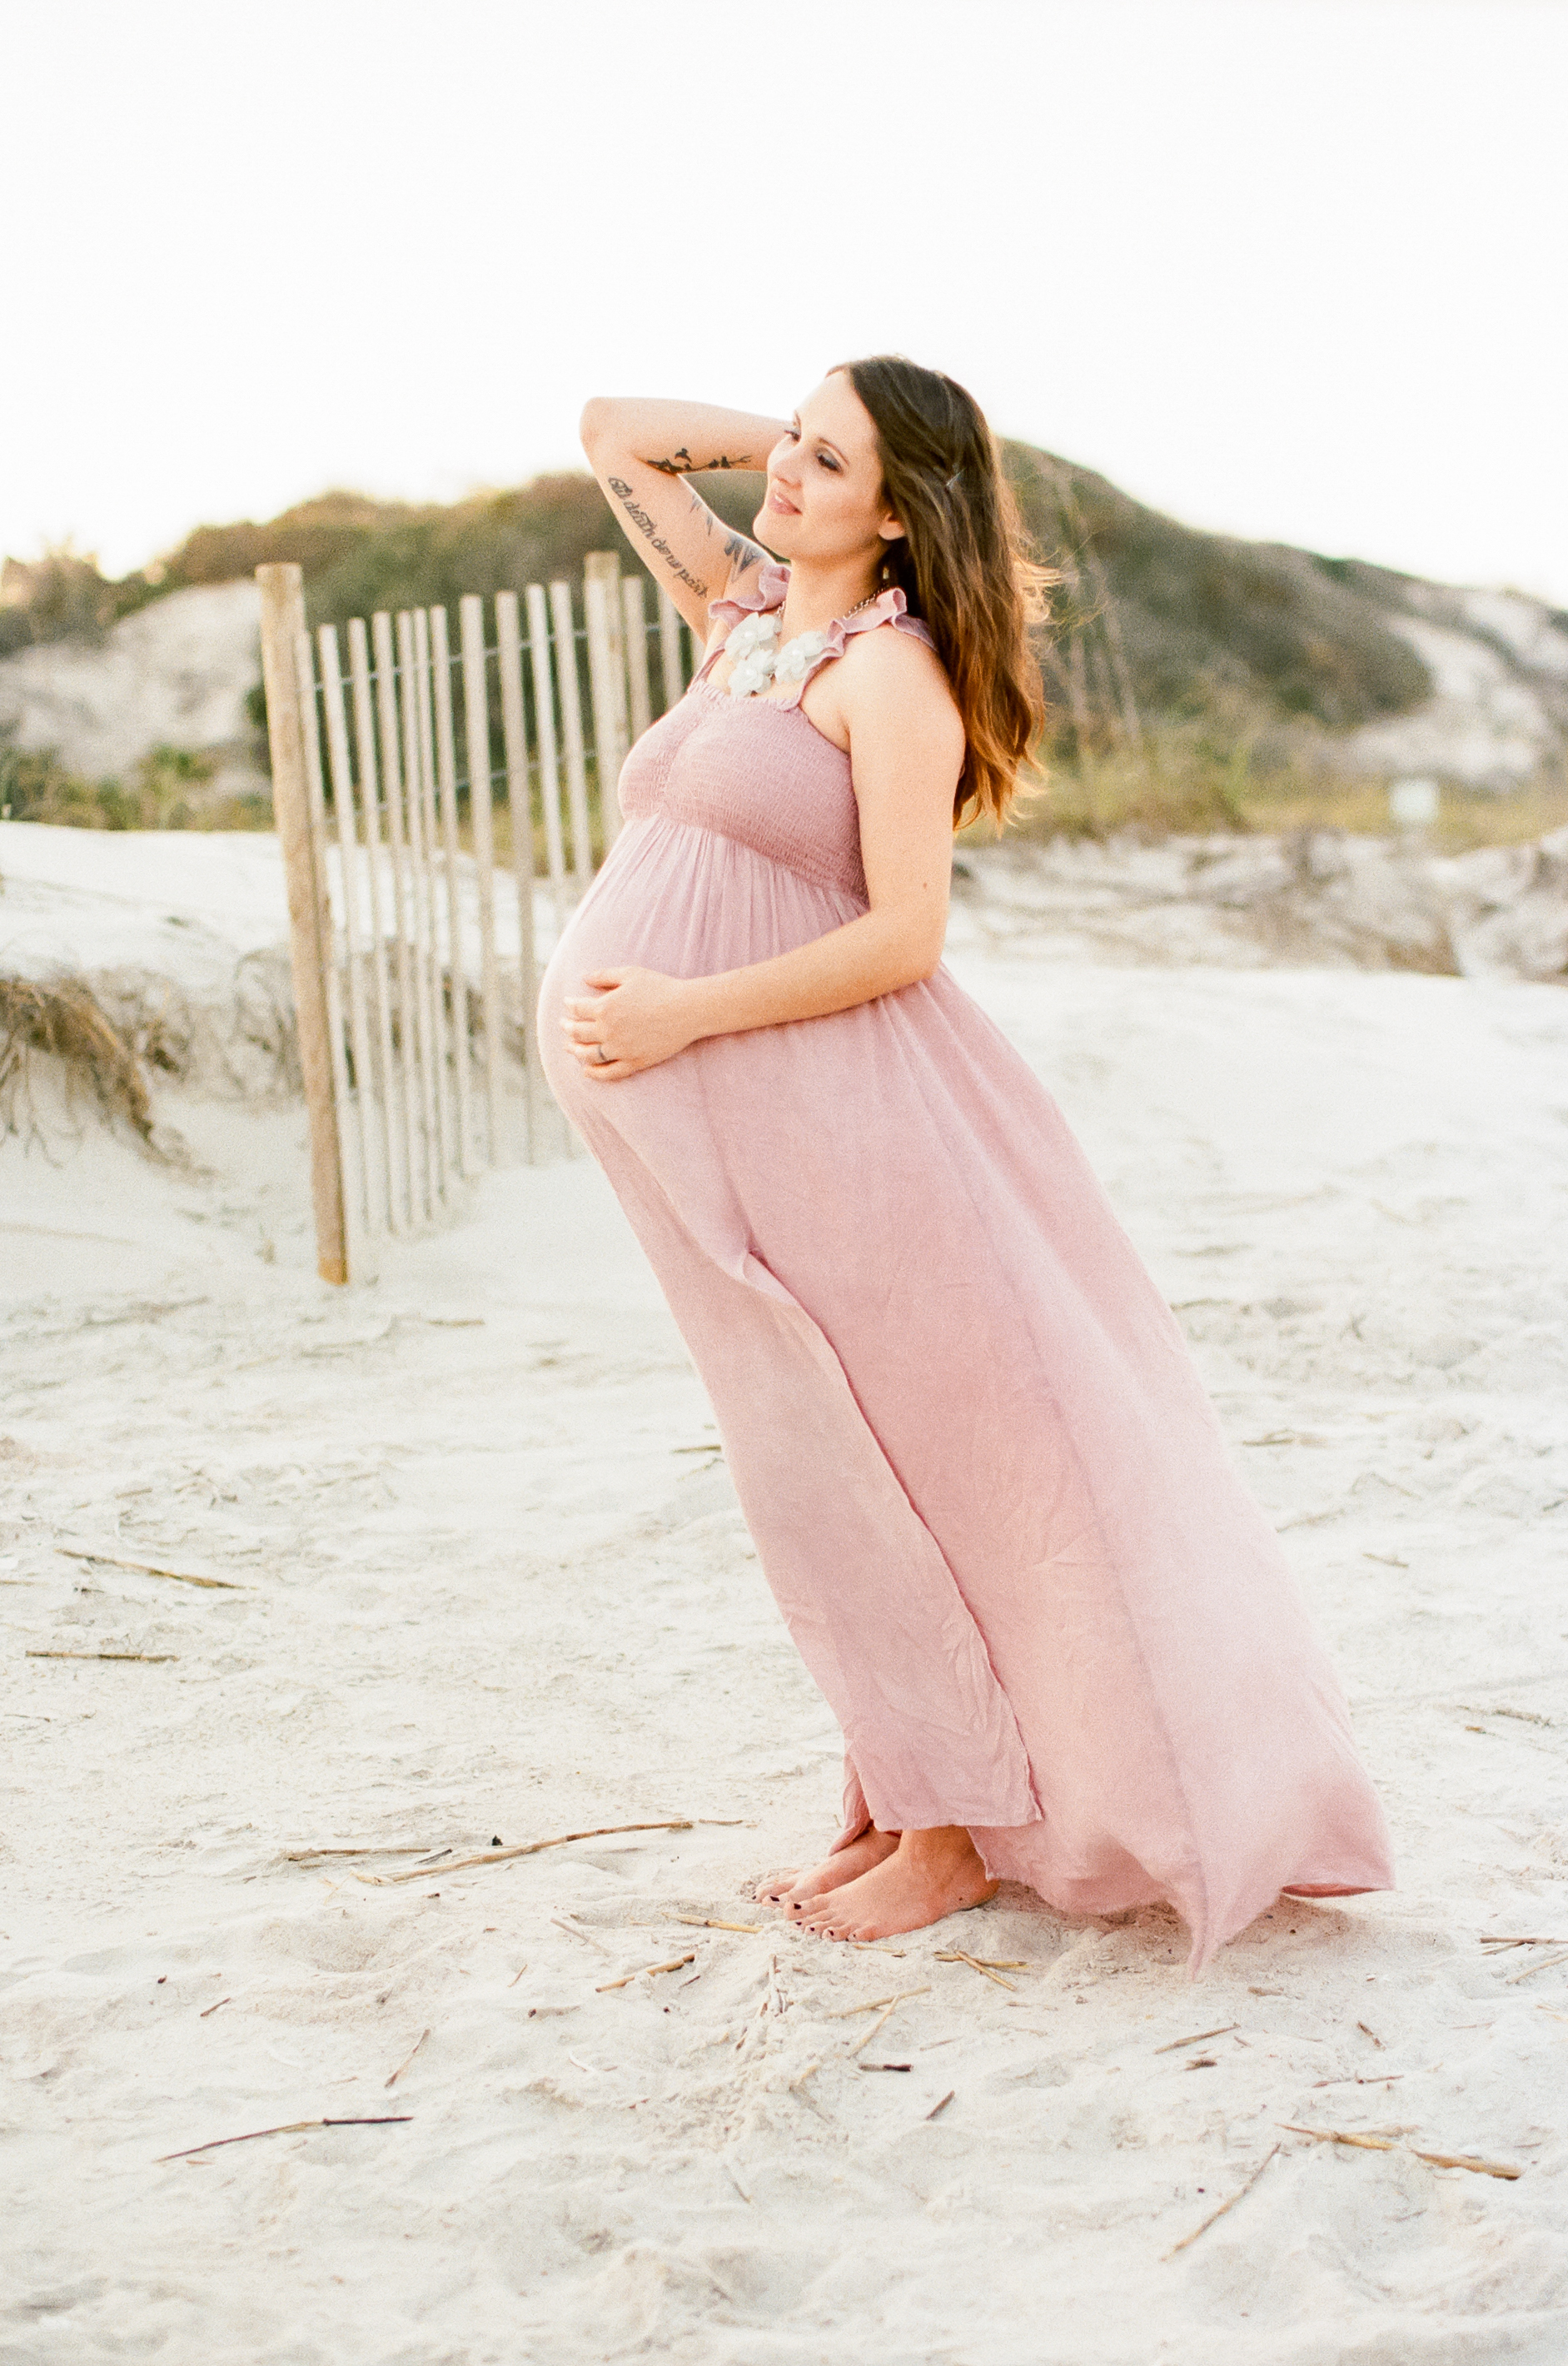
<point>1289,268</point>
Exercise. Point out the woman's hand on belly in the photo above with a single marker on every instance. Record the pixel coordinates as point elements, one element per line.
<point>632,1021</point>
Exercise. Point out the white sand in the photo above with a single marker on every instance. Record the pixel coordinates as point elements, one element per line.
<point>486,1589</point>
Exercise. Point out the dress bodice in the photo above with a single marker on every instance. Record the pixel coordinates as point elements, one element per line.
<point>756,769</point>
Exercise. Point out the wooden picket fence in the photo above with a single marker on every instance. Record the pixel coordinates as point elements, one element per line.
<point>415,983</point>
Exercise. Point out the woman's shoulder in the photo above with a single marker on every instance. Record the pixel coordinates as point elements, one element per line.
<point>893,687</point>
<point>897,656</point>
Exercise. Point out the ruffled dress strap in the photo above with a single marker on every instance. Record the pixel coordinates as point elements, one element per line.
<point>890,607</point>
<point>772,582</point>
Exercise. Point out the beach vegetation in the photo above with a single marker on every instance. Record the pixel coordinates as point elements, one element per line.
<point>170,788</point>
<point>1196,681</point>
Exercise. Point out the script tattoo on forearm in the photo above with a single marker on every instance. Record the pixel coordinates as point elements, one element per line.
<point>681,463</point>
<point>645,526</point>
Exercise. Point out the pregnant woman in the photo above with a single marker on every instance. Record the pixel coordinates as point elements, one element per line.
<point>984,1482</point>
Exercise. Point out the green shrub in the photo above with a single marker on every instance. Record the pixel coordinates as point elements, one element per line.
<point>167,791</point>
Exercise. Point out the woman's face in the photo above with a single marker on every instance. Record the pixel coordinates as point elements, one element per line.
<point>825,499</point>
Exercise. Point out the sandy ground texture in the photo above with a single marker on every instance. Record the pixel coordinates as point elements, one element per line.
<point>483,1580</point>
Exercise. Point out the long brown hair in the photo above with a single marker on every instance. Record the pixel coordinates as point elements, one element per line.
<point>961,563</point>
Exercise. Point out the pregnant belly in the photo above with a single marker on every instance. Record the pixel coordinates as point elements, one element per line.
<point>687,902</point>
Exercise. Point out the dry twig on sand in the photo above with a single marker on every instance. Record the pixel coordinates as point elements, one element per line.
<point>1239,2195</point>
<point>1541,1964</point>
<point>936,2109</point>
<point>875,2004</point>
<point>573,1932</point>
<point>149,1569</point>
<point>1392,2144</point>
<point>531,1848</point>
<point>289,2128</point>
<point>310,1855</point>
<point>153,1659</point>
<point>1177,2044</point>
<point>987,1971</point>
<point>408,2057</point>
<point>646,1971</point>
<point>877,2026</point>
<point>207,2009</point>
<point>705,1922</point>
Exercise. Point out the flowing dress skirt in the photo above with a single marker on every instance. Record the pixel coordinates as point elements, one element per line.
<point>986,1484</point>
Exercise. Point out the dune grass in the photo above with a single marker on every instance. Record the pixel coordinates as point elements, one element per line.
<point>1179,785</point>
<point>64,1020</point>
<point>169,789</point>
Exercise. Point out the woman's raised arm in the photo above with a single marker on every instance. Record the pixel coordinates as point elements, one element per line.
<point>640,451</point>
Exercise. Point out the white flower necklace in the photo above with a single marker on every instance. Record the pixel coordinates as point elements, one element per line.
<point>754,647</point>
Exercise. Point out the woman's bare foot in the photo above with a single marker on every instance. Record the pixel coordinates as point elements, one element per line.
<point>929,1875</point>
<point>796,1888</point>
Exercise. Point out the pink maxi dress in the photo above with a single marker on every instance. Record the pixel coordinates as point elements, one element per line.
<point>986,1484</point>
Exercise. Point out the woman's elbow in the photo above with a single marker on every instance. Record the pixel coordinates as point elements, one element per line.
<point>593,426</point>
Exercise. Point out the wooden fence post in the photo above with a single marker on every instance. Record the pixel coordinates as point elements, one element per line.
<point>634,616</point>
<point>310,929</point>
<point>544,733</point>
<point>572,727</point>
<point>348,855</point>
<point>446,778</point>
<point>607,679</point>
<point>520,805</point>
<point>476,746</point>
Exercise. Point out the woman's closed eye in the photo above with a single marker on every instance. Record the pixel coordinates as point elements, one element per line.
<point>824,459</point>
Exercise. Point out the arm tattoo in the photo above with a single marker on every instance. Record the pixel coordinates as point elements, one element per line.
<point>738,549</point>
<point>681,463</point>
<point>645,526</point>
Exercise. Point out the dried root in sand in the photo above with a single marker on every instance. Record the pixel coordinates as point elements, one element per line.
<point>152,1659</point>
<point>532,1848</point>
<point>152,1569</point>
<point>408,2057</point>
<point>647,1972</point>
<point>1391,2143</point>
<point>289,2128</point>
<point>1541,1964</point>
<point>987,1971</point>
<point>875,2004</point>
<point>573,1932</point>
<point>1240,2194</point>
<point>1177,2044</point>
